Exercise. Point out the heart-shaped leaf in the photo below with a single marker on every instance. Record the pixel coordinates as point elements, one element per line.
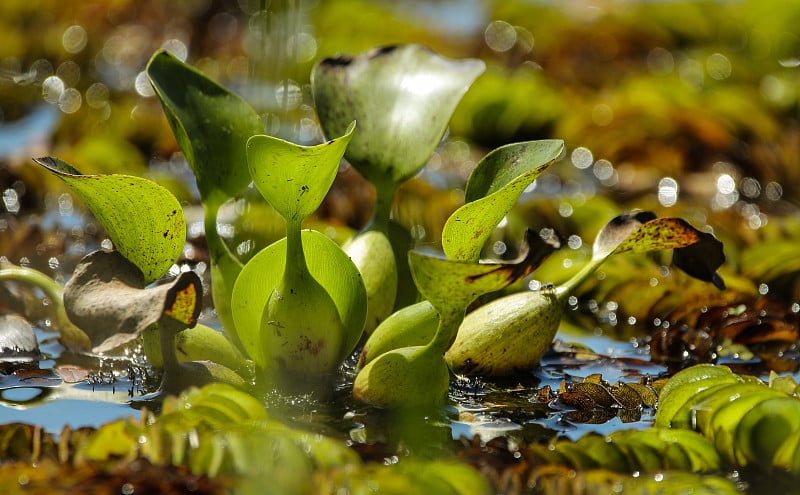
<point>294,179</point>
<point>492,189</point>
<point>402,98</point>
<point>106,298</point>
<point>144,220</point>
<point>212,125</point>
<point>327,263</point>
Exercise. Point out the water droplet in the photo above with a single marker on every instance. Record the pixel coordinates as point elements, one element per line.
<point>143,86</point>
<point>176,47</point>
<point>718,66</point>
<point>74,39</point>
<point>97,95</point>
<point>603,170</point>
<point>11,200</point>
<point>763,289</point>
<point>53,263</point>
<point>69,72</point>
<point>773,191</point>
<point>726,184</point>
<point>289,95</point>
<point>52,88</point>
<point>660,61</point>
<point>750,187</point>
<point>582,158</point>
<point>500,36</point>
<point>602,114</point>
<point>70,100</point>
<point>574,241</point>
<point>499,248</point>
<point>305,45</point>
<point>667,191</point>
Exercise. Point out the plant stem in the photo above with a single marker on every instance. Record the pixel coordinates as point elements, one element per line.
<point>50,287</point>
<point>225,268</point>
<point>564,290</point>
<point>72,336</point>
<point>296,266</point>
<point>449,321</point>
<point>384,194</point>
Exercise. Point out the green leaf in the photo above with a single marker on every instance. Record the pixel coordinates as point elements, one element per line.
<point>327,263</point>
<point>211,124</point>
<point>492,190</point>
<point>402,98</point>
<point>294,179</point>
<point>144,221</point>
<point>453,284</point>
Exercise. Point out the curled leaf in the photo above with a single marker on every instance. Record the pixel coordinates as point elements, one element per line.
<point>294,179</point>
<point>697,253</point>
<point>107,299</point>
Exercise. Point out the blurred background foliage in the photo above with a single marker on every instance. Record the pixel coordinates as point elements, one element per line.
<point>685,108</point>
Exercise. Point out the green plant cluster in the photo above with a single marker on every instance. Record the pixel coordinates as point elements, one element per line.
<point>298,307</point>
<point>750,423</point>
<point>226,434</point>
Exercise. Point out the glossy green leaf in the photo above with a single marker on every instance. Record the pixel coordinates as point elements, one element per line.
<point>327,263</point>
<point>492,189</point>
<point>212,125</point>
<point>294,179</point>
<point>402,98</point>
<point>155,239</point>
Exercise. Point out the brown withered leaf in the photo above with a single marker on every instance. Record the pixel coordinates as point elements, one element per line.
<point>599,394</point>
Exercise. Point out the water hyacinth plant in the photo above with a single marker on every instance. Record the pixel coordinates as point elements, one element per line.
<point>402,98</point>
<point>310,321</point>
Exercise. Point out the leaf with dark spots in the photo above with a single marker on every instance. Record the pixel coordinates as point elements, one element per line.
<point>618,229</point>
<point>455,284</point>
<point>492,190</point>
<point>697,253</point>
<point>144,220</point>
<point>107,299</point>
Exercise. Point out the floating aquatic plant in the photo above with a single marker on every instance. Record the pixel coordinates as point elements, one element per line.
<point>512,333</point>
<point>299,304</point>
<point>402,98</point>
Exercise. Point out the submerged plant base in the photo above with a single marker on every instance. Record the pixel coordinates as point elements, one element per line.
<point>403,378</point>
